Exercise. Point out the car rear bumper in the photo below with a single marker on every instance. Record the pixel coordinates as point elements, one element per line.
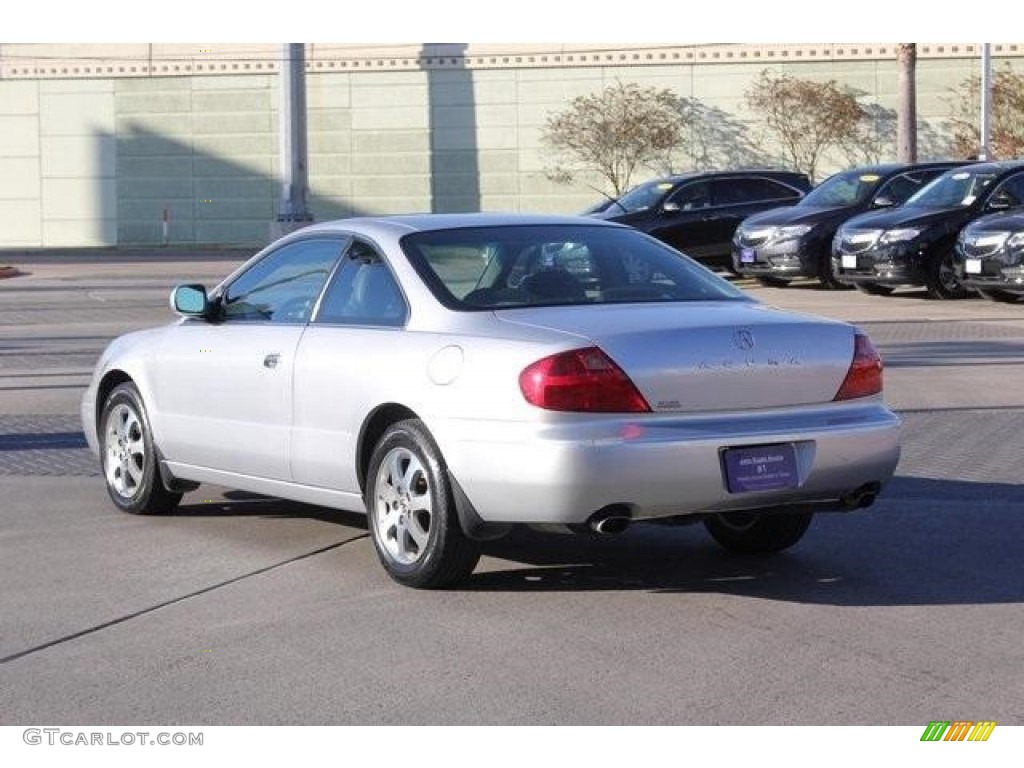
<point>662,466</point>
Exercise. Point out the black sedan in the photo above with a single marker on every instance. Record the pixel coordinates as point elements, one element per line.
<point>783,243</point>
<point>990,256</point>
<point>914,244</point>
<point>698,213</point>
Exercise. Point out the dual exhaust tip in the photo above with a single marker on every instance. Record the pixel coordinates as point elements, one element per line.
<point>616,518</point>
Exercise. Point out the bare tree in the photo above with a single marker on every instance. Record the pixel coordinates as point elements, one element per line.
<point>807,117</point>
<point>1007,138</point>
<point>612,133</point>
<point>906,107</point>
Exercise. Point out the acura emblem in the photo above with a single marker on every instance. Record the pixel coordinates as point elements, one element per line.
<point>743,339</point>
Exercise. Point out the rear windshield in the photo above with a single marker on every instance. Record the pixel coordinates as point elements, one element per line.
<point>522,266</point>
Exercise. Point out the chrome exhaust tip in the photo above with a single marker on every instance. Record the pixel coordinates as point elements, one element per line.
<point>862,497</point>
<point>610,520</point>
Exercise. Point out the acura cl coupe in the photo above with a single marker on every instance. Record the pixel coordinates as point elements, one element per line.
<point>454,375</point>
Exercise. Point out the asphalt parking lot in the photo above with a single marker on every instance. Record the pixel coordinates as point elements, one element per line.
<point>245,610</point>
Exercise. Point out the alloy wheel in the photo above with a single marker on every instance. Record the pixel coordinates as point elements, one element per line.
<point>125,456</point>
<point>403,506</point>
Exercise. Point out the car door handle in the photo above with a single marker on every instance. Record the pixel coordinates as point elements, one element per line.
<point>271,361</point>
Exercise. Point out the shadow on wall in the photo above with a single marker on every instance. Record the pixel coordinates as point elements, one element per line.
<point>206,198</point>
<point>878,144</point>
<point>718,140</point>
<point>454,153</point>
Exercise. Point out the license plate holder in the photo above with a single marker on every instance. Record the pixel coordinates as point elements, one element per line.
<point>849,261</point>
<point>972,266</point>
<point>748,256</point>
<point>754,468</point>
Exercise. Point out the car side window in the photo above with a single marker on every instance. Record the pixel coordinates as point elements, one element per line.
<point>750,189</point>
<point>283,286</point>
<point>692,197</point>
<point>899,188</point>
<point>363,292</point>
<point>1011,191</point>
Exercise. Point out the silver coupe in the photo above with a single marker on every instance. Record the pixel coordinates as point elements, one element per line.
<point>455,375</point>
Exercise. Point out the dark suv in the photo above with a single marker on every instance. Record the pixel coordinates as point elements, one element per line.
<point>778,245</point>
<point>697,213</point>
<point>913,244</point>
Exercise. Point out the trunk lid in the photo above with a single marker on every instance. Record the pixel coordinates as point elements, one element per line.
<point>711,355</point>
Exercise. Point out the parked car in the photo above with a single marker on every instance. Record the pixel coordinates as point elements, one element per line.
<point>697,213</point>
<point>783,243</point>
<point>914,244</point>
<point>990,255</point>
<point>454,375</point>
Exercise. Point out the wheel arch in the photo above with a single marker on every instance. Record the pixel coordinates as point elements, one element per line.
<point>110,380</point>
<point>108,383</point>
<point>374,425</point>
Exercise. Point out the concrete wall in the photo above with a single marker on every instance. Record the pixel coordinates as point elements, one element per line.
<point>97,160</point>
<point>57,169</point>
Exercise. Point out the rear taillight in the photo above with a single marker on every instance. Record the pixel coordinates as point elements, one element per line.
<point>581,380</point>
<point>865,375</point>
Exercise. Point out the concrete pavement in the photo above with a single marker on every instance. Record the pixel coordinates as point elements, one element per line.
<point>237,609</point>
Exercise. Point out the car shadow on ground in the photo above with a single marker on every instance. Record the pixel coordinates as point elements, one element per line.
<point>245,504</point>
<point>929,542</point>
<point>925,542</point>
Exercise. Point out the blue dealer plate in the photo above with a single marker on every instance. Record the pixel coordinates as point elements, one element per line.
<point>760,468</point>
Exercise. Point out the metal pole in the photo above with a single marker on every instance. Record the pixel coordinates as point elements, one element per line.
<point>986,100</point>
<point>292,210</point>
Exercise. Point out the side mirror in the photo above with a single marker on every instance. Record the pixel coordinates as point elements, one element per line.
<point>190,300</point>
<point>884,201</point>
<point>998,203</point>
<point>671,207</point>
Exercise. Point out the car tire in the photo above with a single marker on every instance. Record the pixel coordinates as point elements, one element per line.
<point>941,279</point>
<point>994,294</point>
<point>129,456</point>
<point>773,282</point>
<point>411,511</point>
<point>874,289</point>
<point>753,533</point>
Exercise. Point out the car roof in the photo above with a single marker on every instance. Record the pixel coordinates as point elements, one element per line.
<point>402,224</point>
<point>997,166</point>
<point>725,174</point>
<point>883,169</point>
